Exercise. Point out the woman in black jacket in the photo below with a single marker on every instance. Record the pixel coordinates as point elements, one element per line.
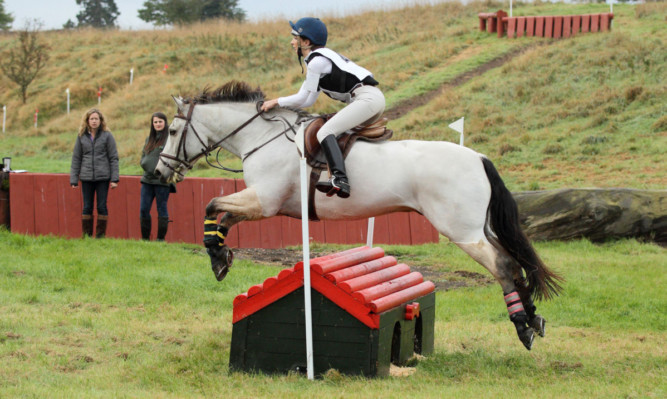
<point>151,186</point>
<point>95,163</point>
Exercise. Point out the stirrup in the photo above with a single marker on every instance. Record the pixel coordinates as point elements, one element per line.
<point>334,186</point>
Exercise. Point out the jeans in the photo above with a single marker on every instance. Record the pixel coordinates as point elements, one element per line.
<point>161,195</point>
<point>88,190</point>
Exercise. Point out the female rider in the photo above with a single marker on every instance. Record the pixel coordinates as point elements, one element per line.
<point>340,79</point>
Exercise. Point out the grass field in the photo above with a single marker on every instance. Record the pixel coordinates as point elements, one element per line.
<point>112,318</point>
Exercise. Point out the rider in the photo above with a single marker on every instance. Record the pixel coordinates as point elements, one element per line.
<point>340,79</point>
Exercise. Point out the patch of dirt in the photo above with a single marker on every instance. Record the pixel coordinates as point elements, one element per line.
<point>443,280</point>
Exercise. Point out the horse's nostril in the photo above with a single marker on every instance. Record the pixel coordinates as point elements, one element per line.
<point>157,173</point>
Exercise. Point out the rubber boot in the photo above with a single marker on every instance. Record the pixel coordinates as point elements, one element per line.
<point>338,183</point>
<point>87,225</point>
<point>145,228</point>
<point>101,229</point>
<point>162,226</point>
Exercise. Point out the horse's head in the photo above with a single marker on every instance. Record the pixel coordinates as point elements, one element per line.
<point>184,144</point>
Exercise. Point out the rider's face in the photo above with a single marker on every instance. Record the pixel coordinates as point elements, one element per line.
<point>158,123</point>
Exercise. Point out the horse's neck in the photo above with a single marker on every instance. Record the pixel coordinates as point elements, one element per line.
<point>255,134</point>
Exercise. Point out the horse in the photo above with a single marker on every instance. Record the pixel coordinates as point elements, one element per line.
<point>456,188</point>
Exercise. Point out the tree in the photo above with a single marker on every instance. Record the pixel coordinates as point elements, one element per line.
<point>22,63</point>
<point>225,9</point>
<point>6,19</point>
<point>97,13</point>
<point>179,12</point>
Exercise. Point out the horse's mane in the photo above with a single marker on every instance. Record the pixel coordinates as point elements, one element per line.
<point>234,91</point>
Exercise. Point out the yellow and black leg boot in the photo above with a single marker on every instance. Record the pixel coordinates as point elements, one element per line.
<point>220,254</point>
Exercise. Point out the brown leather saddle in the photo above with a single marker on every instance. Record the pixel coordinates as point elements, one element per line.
<point>373,133</point>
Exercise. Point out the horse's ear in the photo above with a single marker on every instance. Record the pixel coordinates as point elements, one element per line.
<point>178,101</point>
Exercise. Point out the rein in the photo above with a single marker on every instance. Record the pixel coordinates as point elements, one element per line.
<point>207,149</point>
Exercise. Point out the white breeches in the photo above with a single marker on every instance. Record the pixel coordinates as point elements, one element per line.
<point>366,107</point>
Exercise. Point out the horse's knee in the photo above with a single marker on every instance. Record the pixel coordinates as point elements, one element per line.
<point>211,208</point>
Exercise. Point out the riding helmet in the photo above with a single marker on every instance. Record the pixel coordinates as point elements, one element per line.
<point>312,29</point>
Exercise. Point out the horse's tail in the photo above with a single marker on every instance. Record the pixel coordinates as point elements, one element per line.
<point>504,218</point>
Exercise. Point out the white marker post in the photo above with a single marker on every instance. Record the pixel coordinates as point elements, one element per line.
<point>36,113</point>
<point>67,91</point>
<point>458,126</point>
<point>99,95</point>
<point>299,140</point>
<point>369,234</point>
<point>131,75</point>
<point>4,117</point>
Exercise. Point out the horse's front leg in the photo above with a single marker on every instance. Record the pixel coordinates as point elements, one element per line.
<point>237,207</point>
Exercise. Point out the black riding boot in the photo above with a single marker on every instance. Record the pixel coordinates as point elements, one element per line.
<point>101,228</point>
<point>145,228</point>
<point>87,225</point>
<point>162,226</point>
<point>338,183</point>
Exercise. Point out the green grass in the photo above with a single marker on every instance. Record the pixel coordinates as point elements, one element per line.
<point>114,318</point>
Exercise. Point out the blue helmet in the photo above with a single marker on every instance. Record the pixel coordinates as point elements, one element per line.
<point>312,29</point>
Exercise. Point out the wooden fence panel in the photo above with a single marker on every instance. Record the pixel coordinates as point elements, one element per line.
<point>520,26</point>
<point>567,26</point>
<point>22,203</point>
<point>595,22</point>
<point>549,27</point>
<point>69,206</point>
<point>576,24</point>
<point>539,26</point>
<point>530,26</point>
<point>46,204</point>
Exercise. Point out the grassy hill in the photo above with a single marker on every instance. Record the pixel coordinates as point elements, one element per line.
<point>589,111</point>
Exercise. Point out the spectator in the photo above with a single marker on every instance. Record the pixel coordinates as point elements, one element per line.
<point>95,163</point>
<point>151,186</point>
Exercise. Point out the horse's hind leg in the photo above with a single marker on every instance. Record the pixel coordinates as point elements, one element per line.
<point>504,269</point>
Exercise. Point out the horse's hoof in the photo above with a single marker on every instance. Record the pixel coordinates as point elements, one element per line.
<point>537,323</point>
<point>221,260</point>
<point>527,337</point>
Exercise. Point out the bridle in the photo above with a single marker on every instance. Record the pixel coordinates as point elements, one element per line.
<point>207,149</point>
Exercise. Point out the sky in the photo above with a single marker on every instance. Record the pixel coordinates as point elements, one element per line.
<point>54,13</point>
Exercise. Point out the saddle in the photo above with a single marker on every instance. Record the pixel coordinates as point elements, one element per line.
<point>373,133</point>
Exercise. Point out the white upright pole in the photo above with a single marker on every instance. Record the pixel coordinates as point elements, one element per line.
<point>369,234</point>
<point>510,8</point>
<point>67,91</point>
<point>310,371</point>
<point>4,117</point>
<point>131,75</point>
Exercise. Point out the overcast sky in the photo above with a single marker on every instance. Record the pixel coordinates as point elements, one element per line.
<point>54,13</point>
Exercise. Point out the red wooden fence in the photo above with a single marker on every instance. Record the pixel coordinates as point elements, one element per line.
<point>549,26</point>
<point>46,204</point>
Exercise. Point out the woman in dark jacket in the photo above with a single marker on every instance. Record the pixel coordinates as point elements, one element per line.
<point>95,163</point>
<point>151,186</point>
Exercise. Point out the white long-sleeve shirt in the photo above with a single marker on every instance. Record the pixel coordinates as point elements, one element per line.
<point>307,94</point>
